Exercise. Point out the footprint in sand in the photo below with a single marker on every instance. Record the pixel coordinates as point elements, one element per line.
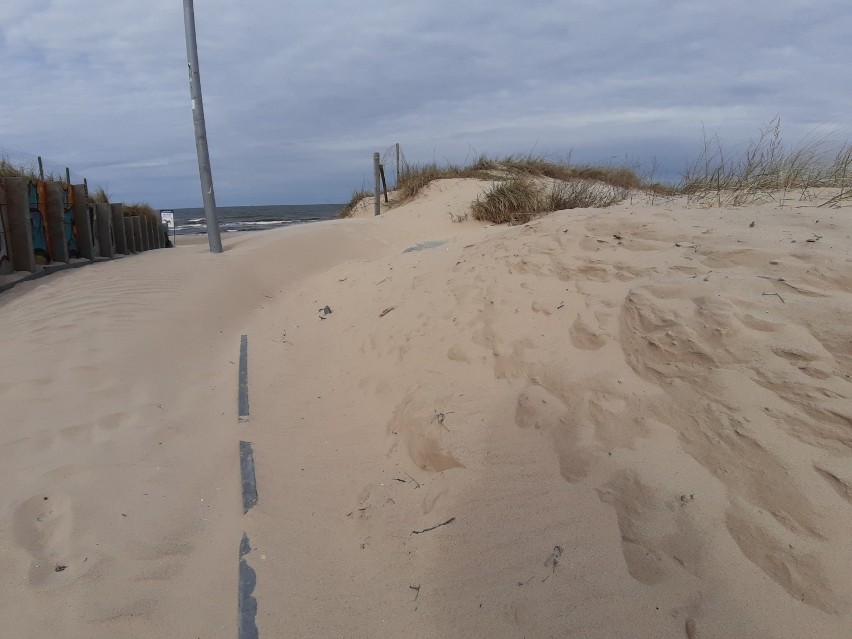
<point>43,526</point>
<point>415,423</point>
<point>457,354</point>
<point>539,409</point>
<point>634,503</point>
<point>657,540</point>
<point>585,338</point>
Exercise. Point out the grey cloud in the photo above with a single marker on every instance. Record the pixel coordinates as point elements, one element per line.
<point>299,96</point>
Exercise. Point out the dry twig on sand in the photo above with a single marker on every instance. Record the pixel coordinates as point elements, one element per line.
<point>443,523</point>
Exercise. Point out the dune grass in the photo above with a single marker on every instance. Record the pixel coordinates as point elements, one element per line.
<point>485,168</point>
<point>140,208</point>
<point>349,207</point>
<point>99,196</point>
<point>527,186</point>
<point>10,169</point>
<point>523,198</point>
<point>767,169</point>
<point>418,176</point>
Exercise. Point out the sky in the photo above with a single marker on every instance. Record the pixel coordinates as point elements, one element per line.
<point>298,95</point>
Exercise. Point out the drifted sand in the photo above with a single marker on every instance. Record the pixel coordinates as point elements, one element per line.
<point>639,420</point>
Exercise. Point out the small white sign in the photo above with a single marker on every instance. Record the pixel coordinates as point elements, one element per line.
<point>168,216</point>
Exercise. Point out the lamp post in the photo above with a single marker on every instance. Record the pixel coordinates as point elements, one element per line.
<point>204,171</point>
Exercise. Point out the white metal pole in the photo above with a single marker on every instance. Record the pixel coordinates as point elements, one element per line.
<point>204,171</point>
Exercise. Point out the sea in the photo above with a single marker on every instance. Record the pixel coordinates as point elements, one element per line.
<point>234,219</point>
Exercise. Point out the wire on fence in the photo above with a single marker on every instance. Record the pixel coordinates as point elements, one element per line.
<point>393,159</point>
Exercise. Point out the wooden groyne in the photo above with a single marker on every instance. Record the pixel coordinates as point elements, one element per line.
<point>47,226</point>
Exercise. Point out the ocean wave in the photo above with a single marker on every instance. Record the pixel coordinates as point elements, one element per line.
<point>231,227</point>
<point>252,218</point>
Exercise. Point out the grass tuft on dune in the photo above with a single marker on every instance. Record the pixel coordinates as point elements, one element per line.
<point>521,198</point>
<point>140,208</point>
<point>99,196</point>
<point>516,166</point>
<point>354,201</point>
<point>766,169</point>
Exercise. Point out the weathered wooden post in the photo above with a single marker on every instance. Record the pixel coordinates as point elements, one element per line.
<point>136,232</point>
<point>377,206</point>
<point>54,209</point>
<point>82,223</point>
<point>5,266</point>
<point>143,233</point>
<point>397,165</point>
<point>152,232</point>
<point>19,233</point>
<point>106,230</point>
<point>154,223</point>
<point>158,228</point>
<point>119,232</point>
<point>384,183</point>
<point>129,240</point>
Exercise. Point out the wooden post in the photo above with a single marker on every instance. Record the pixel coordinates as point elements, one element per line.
<point>118,227</point>
<point>5,252</point>
<point>384,184</point>
<point>145,241</point>
<point>85,239</point>
<point>129,242</point>
<point>106,230</point>
<point>156,236</point>
<point>377,207</point>
<point>54,212</point>
<point>397,165</point>
<point>40,169</point>
<point>19,233</point>
<point>138,238</point>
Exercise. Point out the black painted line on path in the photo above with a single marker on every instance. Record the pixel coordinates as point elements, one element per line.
<point>246,603</point>
<point>247,472</point>
<point>243,402</point>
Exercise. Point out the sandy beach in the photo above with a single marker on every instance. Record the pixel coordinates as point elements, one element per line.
<point>623,422</point>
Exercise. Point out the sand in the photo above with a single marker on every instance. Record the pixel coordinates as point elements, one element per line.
<point>631,422</point>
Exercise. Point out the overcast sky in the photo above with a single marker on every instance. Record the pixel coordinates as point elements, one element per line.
<point>298,95</point>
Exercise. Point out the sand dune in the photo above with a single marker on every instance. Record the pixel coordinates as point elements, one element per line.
<point>632,421</point>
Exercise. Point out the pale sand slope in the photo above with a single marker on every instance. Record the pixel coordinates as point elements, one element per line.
<point>119,439</point>
<point>633,439</point>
